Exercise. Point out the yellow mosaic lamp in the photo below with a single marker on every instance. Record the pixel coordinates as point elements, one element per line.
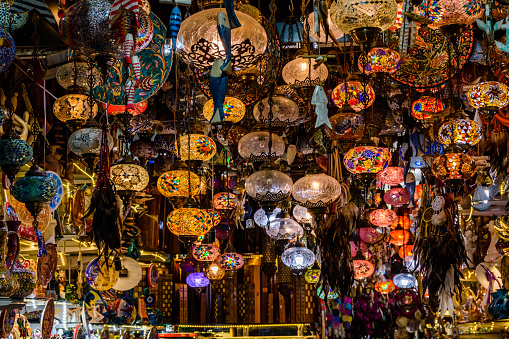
<point>189,222</point>
<point>233,109</point>
<point>174,184</point>
<point>195,146</point>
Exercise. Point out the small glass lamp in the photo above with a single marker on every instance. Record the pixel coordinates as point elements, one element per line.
<point>489,95</point>
<point>313,274</point>
<point>268,186</point>
<point>364,20</point>
<point>382,217</point>
<point>77,74</point>
<point>224,201</point>
<point>405,251</point>
<point>254,146</point>
<point>201,148</point>
<point>231,261</point>
<point>189,222</point>
<point>174,184</point>
<point>86,142</point>
<point>200,44</point>
<point>397,197</point>
<point>214,272</point>
<point>379,60</point>
<point>462,132</point>
<point>392,175</point>
<point>453,166</point>
<point>427,108</point>
<point>260,217</point>
<point>385,287</point>
<point>128,178</point>
<point>301,214</point>
<point>73,108</point>
<point>197,280</point>
<point>298,257</point>
<point>366,160</point>
<point>347,125</point>
<point>445,12</point>
<point>285,112</point>
<point>301,75</point>
<point>405,280</point>
<point>402,221</point>
<point>362,268</point>
<point>399,237</point>
<point>205,252</point>
<point>284,228</point>
<point>316,190</point>
<point>233,108</point>
<point>14,152</point>
<point>357,94</point>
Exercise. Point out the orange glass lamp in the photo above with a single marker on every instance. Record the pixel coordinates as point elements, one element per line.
<point>401,221</point>
<point>139,107</point>
<point>405,251</point>
<point>379,60</point>
<point>224,201</point>
<point>454,167</point>
<point>382,217</point>
<point>174,184</point>
<point>362,268</point>
<point>233,108</point>
<point>196,147</point>
<point>399,237</point>
<point>427,108</point>
<point>385,287</point>
<point>489,95</point>
<point>73,108</point>
<point>189,222</point>
<point>358,95</point>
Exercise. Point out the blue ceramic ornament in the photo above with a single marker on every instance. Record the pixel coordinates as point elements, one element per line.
<point>480,199</point>
<point>14,153</point>
<point>175,21</point>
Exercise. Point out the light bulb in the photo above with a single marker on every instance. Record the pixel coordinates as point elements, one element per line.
<point>299,260</point>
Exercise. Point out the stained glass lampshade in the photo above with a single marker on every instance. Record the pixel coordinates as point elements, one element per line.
<point>454,167</point>
<point>224,201</point>
<point>357,94</point>
<point>331,295</point>
<point>379,60</point>
<point>214,272</point>
<point>268,186</point>
<point>362,268</point>
<point>382,217</point>
<point>189,222</point>
<point>35,190</point>
<point>402,221</point>
<point>347,125</point>
<point>298,257</point>
<point>200,44</point>
<point>174,184</point>
<point>7,50</point>
<point>197,280</point>
<point>427,108</point>
<point>460,132</point>
<point>73,108</point>
<point>392,176</point>
<point>285,112</point>
<point>231,261</point>
<point>128,176</point>
<point>14,152</point>
<point>260,216</point>
<point>399,237</point>
<point>233,108</point>
<point>366,160</point>
<point>205,252</point>
<point>254,147</point>
<point>216,218</point>
<point>195,147</point>
<point>77,74</point>
<point>489,96</point>
<point>385,287</point>
<point>284,228</point>
<point>397,196</point>
<point>316,190</point>
<point>87,140</point>
<point>447,12</point>
<point>301,214</point>
<point>405,280</point>
<point>313,274</point>
<point>139,107</point>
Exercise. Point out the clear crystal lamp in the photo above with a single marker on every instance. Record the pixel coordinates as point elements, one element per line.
<point>298,257</point>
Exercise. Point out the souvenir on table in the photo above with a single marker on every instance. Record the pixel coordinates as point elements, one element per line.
<point>155,66</point>
<point>129,275</point>
<point>101,274</point>
<point>426,64</point>
<point>7,320</point>
<point>26,278</point>
<point>48,315</point>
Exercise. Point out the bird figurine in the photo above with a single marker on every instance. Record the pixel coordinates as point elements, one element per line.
<point>218,83</point>
<point>232,17</point>
<point>175,21</point>
<point>319,99</point>
<point>225,34</point>
<point>410,186</point>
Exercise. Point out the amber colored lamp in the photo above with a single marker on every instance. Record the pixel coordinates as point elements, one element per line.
<point>405,251</point>
<point>301,72</point>
<point>312,274</point>
<point>224,201</point>
<point>427,108</point>
<point>195,147</point>
<point>233,108</point>
<point>379,60</point>
<point>382,217</point>
<point>139,107</point>
<point>399,237</point>
<point>460,132</point>
<point>73,108</point>
<point>347,125</point>
<point>189,221</point>
<point>489,95</point>
<point>385,287</point>
<point>362,268</point>
<point>175,183</point>
<point>205,252</point>
<point>358,95</point>
<point>453,165</point>
<point>214,272</point>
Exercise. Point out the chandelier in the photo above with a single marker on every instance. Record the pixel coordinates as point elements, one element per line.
<point>233,108</point>
<point>298,257</point>
<point>199,43</point>
<point>73,108</point>
<point>268,186</point>
<point>284,228</point>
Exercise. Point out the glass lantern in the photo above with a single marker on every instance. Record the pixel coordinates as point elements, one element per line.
<point>454,167</point>
<point>382,217</point>
<point>405,251</point>
<point>313,274</point>
<point>397,196</point>
<point>87,140</point>
<point>358,95</point>
<point>405,280</point>
<point>298,257</point>
<point>200,45</point>
<point>73,108</point>
<point>128,176</point>
<point>460,132</point>
<point>254,147</point>
<point>301,214</point>
<point>189,222</point>
<point>392,176</point>
<point>399,237</point>
<point>214,272</point>
<point>379,60</point>
<point>362,268</point>
<point>447,12</point>
<point>269,186</point>
<point>77,74</point>
<point>216,218</point>
<point>489,95</point>
<point>197,280</point>
<point>205,252</point>
<point>316,190</point>
<point>231,261</point>
<point>195,147</point>
<point>427,108</point>
<point>224,201</point>
<point>174,184</point>
<point>260,217</point>
<point>284,228</point>
<point>285,112</point>
<point>233,108</point>
<point>301,75</point>
<point>385,287</point>
<point>14,152</point>
<point>347,125</point>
